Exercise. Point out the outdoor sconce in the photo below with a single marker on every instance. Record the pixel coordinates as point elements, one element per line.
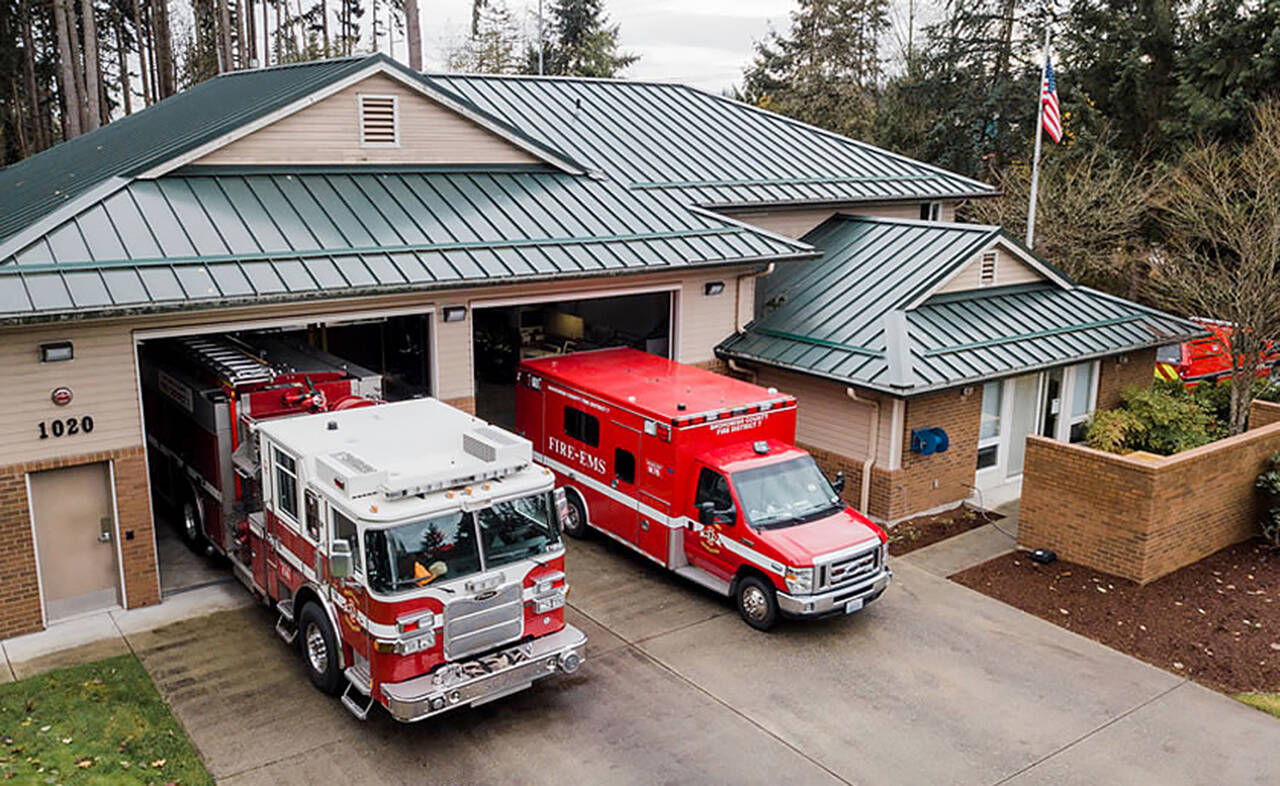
<point>454,313</point>
<point>712,288</point>
<point>56,352</point>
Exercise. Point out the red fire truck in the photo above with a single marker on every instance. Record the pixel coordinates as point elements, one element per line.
<point>697,472</point>
<point>415,548</point>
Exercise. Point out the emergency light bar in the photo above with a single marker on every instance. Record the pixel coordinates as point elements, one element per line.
<point>713,415</point>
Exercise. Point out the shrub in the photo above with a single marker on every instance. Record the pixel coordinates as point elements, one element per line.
<point>1269,484</point>
<point>1161,419</point>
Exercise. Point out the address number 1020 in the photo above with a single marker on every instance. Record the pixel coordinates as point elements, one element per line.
<point>65,427</point>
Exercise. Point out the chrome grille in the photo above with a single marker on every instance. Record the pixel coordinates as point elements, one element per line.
<point>479,623</point>
<point>845,568</point>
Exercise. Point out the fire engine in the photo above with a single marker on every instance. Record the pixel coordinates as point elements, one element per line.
<point>1209,359</point>
<point>413,549</point>
<point>698,472</point>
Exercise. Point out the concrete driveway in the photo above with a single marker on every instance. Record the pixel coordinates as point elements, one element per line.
<point>933,684</point>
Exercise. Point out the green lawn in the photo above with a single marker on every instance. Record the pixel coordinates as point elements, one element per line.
<point>1267,702</point>
<point>102,722</point>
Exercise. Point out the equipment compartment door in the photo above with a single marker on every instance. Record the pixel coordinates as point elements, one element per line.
<point>75,526</point>
<point>622,450</point>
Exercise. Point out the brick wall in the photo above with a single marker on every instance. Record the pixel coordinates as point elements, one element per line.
<point>19,588</point>
<point>1263,413</point>
<point>926,482</point>
<point>467,404</point>
<point>1141,516</point>
<point>1113,377</point>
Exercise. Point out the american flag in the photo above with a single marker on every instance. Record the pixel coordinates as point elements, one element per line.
<point>1049,115</point>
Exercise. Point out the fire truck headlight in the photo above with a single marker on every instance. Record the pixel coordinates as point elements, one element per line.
<point>799,581</point>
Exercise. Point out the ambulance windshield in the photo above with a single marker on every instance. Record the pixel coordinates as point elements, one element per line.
<point>448,547</point>
<point>784,494</point>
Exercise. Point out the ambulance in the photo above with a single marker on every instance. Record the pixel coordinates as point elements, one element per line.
<point>699,473</point>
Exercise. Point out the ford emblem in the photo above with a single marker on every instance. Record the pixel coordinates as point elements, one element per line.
<point>486,595</point>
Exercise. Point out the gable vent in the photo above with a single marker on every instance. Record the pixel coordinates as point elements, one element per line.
<point>987,269</point>
<point>379,121</point>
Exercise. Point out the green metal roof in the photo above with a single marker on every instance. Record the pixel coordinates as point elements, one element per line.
<point>863,313</point>
<point>708,149</point>
<point>194,238</point>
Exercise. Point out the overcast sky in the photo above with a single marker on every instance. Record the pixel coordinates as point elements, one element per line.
<point>702,42</point>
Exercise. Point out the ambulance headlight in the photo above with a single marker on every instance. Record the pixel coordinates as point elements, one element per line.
<point>799,581</point>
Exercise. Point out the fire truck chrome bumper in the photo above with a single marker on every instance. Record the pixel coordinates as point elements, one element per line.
<point>422,697</point>
<point>835,601</point>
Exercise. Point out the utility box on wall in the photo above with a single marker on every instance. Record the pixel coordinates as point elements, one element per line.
<point>927,441</point>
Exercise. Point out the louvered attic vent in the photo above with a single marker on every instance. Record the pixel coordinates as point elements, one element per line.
<point>379,121</point>
<point>987,272</point>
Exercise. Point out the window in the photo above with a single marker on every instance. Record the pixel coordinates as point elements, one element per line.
<point>987,269</point>
<point>713,488</point>
<point>931,211</point>
<point>286,478</point>
<point>624,465</point>
<point>989,426</point>
<point>414,555</point>
<point>312,505</point>
<point>785,494</point>
<point>581,426</point>
<point>1082,400</point>
<point>379,121</point>
<point>517,529</point>
<point>345,529</point>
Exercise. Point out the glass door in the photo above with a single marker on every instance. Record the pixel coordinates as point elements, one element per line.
<point>1022,422</point>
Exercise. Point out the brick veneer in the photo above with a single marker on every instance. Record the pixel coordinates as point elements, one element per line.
<point>467,404</point>
<point>1263,413</point>
<point>1138,370</point>
<point>1141,516</point>
<point>19,588</point>
<point>926,482</point>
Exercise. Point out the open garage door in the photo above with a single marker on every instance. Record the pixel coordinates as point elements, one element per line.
<point>201,391</point>
<point>506,333</point>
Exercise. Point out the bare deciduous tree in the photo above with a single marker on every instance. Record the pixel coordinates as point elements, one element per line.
<point>1221,208</point>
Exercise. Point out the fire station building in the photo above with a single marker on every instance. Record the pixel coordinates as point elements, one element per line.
<point>438,229</point>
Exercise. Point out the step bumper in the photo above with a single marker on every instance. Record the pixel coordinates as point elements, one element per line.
<point>449,687</point>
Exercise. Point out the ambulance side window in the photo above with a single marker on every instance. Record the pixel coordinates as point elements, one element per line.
<point>713,488</point>
<point>286,484</point>
<point>581,426</point>
<point>345,529</point>
<point>624,465</point>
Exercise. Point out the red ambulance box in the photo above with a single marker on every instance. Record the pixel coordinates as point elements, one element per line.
<point>699,473</point>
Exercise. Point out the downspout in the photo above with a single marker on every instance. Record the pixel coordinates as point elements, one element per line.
<point>737,294</point>
<point>748,372</point>
<point>864,497</point>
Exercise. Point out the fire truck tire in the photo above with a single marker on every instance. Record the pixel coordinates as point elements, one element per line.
<point>576,523</point>
<point>319,649</point>
<point>189,524</point>
<point>757,602</point>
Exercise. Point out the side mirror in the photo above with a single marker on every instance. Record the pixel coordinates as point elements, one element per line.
<point>340,563</point>
<point>838,483</point>
<point>562,507</point>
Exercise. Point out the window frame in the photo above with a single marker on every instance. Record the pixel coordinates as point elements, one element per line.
<point>931,211</point>
<point>588,423</point>
<point>278,467</point>
<point>995,441</point>
<point>1072,419</point>
<point>357,551</point>
<point>618,453</point>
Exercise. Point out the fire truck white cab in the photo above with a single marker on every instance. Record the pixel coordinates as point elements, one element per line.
<point>417,551</point>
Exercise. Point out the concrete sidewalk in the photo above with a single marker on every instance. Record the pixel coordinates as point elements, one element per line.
<point>961,552</point>
<point>103,634</point>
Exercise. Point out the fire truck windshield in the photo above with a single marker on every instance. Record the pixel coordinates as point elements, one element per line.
<point>447,547</point>
<point>784,494</point>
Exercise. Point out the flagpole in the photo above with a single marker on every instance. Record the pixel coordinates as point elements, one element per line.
<point>1035,162</point>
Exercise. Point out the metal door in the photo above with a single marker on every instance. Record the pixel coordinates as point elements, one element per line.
<point>74,514</point>
<point>704,543</point>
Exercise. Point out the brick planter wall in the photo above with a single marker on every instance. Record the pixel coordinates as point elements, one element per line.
<point>1263,413</point>
<point>1141,516</point>
<point>19,588</point>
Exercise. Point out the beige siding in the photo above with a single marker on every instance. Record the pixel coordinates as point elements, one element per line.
<point>828,419</point>
<point>328,133</point>
<point>455,378</point>
<point>703,321</point>
<point>1009,270</point>
<point>102,381</point>
<point>799,221</point>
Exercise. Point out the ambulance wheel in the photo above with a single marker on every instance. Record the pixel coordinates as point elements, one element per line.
<point>319,649</point>
<point>575,523</point>
<point>757,602</point>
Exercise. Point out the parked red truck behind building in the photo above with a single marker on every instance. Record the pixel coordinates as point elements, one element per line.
<point>414,548</point>
<point>699,473</point>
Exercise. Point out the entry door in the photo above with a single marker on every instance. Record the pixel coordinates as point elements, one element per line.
<point>75,539</point>
<point>1026,410</point>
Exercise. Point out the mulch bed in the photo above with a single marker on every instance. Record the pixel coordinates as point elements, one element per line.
<point>1217,621</point>
<point>922,531</point>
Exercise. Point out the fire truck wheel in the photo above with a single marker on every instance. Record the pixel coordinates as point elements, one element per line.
<point>757,602</point>
<point>189,521</point>
<point>576,522</point>
<point>319,649</point>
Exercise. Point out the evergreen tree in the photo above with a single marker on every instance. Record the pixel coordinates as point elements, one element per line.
<point>826,70</point>
<point>495,45</point>
<point>579,42</point>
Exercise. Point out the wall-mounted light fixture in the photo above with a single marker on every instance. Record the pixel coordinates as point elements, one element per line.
<point>712,288</point>
<point>56,351</point>
<point>454,313</point>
